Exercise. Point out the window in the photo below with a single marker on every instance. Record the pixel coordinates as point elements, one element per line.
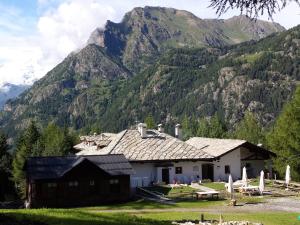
<point>92,182</point>
<point>178,170</point>
<point>73,183</point>
<point>227,169</point>
<point>196,168</point>
<point>52,185</point>
<point>114,186</point>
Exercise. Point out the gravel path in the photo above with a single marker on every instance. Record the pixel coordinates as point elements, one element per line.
<point>272,205</point>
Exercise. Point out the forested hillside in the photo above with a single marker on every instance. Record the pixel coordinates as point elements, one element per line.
<point>95,89</point>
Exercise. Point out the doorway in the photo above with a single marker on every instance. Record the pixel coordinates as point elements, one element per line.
<point>165,175</point>
<point>208,171</point>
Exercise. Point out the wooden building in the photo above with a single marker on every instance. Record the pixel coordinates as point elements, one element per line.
<point>77,180</point>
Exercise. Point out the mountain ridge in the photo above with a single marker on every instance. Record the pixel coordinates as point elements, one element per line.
<point>158,28</point>
<point>95,86</point>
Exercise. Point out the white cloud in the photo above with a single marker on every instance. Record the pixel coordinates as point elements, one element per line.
<point>34,47</point>
<point>59,32</point>
<point>69,26</point>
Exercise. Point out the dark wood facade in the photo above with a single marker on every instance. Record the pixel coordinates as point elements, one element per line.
<point>82,185</point>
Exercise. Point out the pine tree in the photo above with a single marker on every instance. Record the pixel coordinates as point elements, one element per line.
<point>26,145</point>
<point>284,139</point>
<point>5,166</point>
<point>187,128</point>
<point>249,129</point>
<point>217,128</point>
<point>149,120</point>
<point>203,128</point>
<point>213,128</point>
<point>4,155</point>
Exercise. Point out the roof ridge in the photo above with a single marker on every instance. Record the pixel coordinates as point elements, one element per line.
<point>125,131</point>
<point>228,139</point>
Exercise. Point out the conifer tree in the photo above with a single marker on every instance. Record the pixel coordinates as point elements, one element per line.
<point>203,128</point>
<point>26,145</point>
<point>284,139</point>
<point>149,120</point>
<point>249,129</point>
<point>5,166</point>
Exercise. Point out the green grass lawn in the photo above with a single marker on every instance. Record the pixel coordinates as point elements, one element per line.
<point>83,217</point>
<point>219,186</point>
<point>276,218</point>
<point>144,204</point>
<point>172,192</point>
<point>71,217</point>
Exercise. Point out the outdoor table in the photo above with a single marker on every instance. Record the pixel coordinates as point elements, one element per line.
<point>201,194</point>
<point>249,190</point>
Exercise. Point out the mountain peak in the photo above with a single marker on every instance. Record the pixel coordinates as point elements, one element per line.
<point>146,32</point>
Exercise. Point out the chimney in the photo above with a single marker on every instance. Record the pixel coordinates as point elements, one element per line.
<point>178,132</point>
<point>142,128</point>
<point>160,128</point>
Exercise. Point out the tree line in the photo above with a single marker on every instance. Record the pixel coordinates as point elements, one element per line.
<point>33,141</point>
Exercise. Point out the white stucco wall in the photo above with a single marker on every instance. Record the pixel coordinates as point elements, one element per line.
<point>145,173</point>
<point>188,174</point>
<point>233,159</point>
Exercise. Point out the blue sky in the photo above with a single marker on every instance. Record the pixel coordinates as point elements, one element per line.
<point>35,35</point>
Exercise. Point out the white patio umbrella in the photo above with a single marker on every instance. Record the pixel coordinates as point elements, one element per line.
<point>244,177</point>
<point>287,175</point>
<point>262,182</point>
<point>230,185</point>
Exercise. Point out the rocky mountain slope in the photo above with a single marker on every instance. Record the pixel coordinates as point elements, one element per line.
<point>146,32</point>
<point>198,74</point>
<point>10,91</point>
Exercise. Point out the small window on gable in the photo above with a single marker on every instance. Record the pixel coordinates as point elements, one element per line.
<point>178,170</point>
<point>196,168</point>
<point>113,181</point>
<point>73,183</point>
<point>52,185</point>
<point>227,169</point>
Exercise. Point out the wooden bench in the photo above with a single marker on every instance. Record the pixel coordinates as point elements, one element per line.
<point>202,194</point>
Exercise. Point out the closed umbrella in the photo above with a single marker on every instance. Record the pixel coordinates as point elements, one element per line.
<point>287,175</point>
<point>262,182</point>
<point>230,185</point>
<point>244,177</point>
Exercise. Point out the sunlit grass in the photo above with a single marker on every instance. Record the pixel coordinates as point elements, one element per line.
<point>274,218</point>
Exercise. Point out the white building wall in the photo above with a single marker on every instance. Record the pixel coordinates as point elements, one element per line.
<point>233,159</point>
<point>145,173</point>
<point>189,172</point>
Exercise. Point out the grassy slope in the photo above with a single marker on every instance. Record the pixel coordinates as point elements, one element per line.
<point>82,217</point>
<point>72,217</point>
<point>275,218</point>
<point>142,204</point>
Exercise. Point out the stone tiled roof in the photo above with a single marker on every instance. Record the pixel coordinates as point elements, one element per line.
<point>155,146</point>
<point>56,167</point>
<point>214,146</point>
<point>98,144</point>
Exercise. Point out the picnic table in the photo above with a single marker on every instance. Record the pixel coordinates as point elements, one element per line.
<point>250,190</point>
<point>202,194</point>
